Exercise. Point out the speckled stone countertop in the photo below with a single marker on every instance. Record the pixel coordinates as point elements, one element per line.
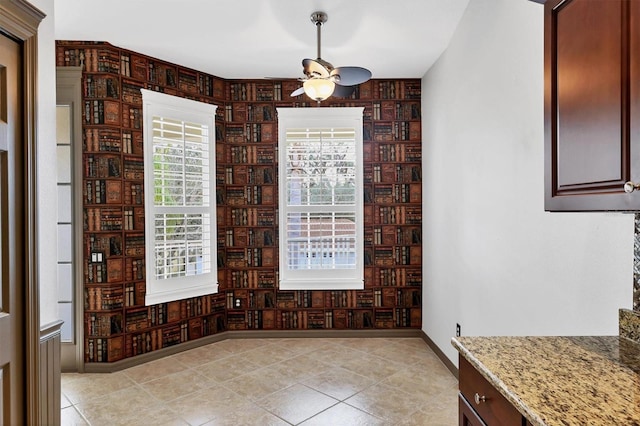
<point>562,380</point>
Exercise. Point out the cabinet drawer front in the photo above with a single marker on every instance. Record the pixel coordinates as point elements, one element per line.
<point>468,417</point>
<point>495,409</point>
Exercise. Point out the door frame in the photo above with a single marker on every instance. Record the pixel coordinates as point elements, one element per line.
<point>20,20</point>
<point>69,92</point>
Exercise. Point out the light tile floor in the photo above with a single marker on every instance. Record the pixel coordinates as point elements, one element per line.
<point>314,381</point>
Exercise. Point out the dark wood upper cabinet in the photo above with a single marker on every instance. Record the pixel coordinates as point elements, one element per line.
<point>592,104</point>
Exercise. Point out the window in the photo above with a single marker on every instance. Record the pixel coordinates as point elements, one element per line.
<point>180,210</point>
<point>321,196</point>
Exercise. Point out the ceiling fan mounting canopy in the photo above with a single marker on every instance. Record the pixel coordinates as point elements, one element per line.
<point>319,18</point>
<point>322,78</point>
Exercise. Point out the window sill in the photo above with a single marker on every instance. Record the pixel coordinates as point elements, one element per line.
<point>315,284</point>
<point>155,298</point>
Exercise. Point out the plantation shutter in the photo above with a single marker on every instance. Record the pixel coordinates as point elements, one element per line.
<point>321,201</point>
<point>179,198</point>
<point>182,198</point>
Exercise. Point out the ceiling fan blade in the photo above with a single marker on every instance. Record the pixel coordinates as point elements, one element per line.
<point>299,91</point>
<point>350,76</point>
<point>343,91</point>
<point>313,68</point>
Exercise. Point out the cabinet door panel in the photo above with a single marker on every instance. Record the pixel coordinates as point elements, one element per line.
<point>588,126</point>
<point>589,94</point>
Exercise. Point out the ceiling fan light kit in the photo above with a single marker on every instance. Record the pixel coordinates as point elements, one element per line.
<point>319,89</point>
<point>322,79</point>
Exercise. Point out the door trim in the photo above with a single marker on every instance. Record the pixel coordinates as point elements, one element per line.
<point>69,92</point>
<point>20,19</point>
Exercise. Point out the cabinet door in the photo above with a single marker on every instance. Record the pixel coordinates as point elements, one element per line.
<point>590,128</point>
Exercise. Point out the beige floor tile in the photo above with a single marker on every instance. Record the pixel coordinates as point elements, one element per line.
<point>386,402</point>
<point>202,406</point>
<point>206,405</point>
<point>415,342</point>
<point>117,408</point>
<point>268,354</point>
<point>272,382</point>
<point>69,416</point>
<point>400,353</point>
<point>237,346</point>
<point>227,368</point>
<point>427,382</point>
<point>70,377</point>
<point>259,383</point>
<point>300,367</point>
<point>365,345</point>
<point>83,387</point>
<point>64,401</point>
<point>305,345</point>
<point>343,415</point>
<point>154,369</point>
<point>371,366</point>
<point>245,414</point>
<point>430,362</point>
<point>421,418</point>
<point>177,385</point>
<point>443,404</point>
<point>202,355</point>
<point>157,416</point>
<point>296,403</point>
<point>334,354</point>
<point>338,383</point>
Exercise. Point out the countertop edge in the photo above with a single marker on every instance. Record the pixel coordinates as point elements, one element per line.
<point>533,418</point>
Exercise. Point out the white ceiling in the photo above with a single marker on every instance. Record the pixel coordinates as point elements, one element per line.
<point>269,38</point>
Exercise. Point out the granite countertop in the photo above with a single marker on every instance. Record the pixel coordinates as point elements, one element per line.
<point>562,380</point>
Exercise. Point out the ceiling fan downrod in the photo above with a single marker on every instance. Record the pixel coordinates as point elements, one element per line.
<point>319,18</point>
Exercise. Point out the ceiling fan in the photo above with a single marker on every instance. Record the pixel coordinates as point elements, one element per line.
<point>322,79</point>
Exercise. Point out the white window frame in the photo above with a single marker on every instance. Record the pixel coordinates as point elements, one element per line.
<point>318,279</point>
<point>176,288</point>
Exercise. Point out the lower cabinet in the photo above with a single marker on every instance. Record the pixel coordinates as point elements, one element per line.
<point>480,403</point>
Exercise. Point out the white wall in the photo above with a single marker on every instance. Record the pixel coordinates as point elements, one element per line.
<point>46,168</point>
<point>494,260</point>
